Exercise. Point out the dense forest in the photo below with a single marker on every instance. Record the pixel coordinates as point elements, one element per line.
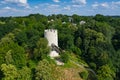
<point>93,41</point>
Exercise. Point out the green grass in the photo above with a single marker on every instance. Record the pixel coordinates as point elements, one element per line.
<point>76,59</point>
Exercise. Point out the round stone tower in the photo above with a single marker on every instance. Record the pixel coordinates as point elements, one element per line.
<point>52,36</point>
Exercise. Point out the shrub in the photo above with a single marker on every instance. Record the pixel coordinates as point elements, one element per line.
<point>64,57</point>
<point>84,75</point>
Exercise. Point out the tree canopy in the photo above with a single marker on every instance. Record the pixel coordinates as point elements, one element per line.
<point>24,50</point>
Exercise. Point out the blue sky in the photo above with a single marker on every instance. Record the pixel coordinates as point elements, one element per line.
<point>69,7</point>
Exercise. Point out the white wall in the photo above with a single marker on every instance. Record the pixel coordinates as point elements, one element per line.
<point>52,36</point>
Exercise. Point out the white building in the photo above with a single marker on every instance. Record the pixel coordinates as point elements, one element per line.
<point>52,36</point>
<point>82,22</point>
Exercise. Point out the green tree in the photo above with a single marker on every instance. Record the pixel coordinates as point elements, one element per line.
<point>9,71</point>
<point>44,71</point>
<point>92,53</point>
<point>8,58</point>
<point>21,38</point>
<point>32,37</point>
<point>66,41</point>
<point>25,73</point>
<point>42,49</point>
<point>78,42</point>
<point>100,17</point>
<point>105,73</point>
<point>76,18</point>
<point>76,50</point>
<point>13,51</point>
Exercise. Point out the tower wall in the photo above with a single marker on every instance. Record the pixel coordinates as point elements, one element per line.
<point>52,36</point>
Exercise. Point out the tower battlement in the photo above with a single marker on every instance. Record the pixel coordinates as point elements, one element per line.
<point>51,30</point>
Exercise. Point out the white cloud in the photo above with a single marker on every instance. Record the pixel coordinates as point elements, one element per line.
<point>18,2</point>
<point>50,8</point>
<point>15,1</point>
<point>67,8</point>
<point>56,0</point>
<point>100,5</point>
<point>7,8</point>
<point>36,7</point>
<point>105,5</point>
<point>53,5</point>
<point>10,11</point>
<point>115,4</point>
<point>79,2</point>
<point>53,8</point>
<point>76,6</point>
<point>23,1</point>
<point>95,5</point>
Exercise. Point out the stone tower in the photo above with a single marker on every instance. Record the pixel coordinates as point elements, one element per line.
<point>52,36</point>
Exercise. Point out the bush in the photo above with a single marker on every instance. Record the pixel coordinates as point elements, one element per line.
<point>64,57</point>
<point>84,75</point>
<point>92,65</point>
<point>77,50</point>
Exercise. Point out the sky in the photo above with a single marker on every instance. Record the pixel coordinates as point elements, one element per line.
<point>68,7</point>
